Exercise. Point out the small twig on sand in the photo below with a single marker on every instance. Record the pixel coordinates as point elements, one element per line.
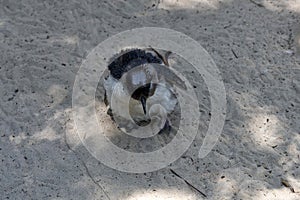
<point>234,54</point>
<point>287,184</point>
<point>189,184</point>
<point>258,4</point>
<point>86,168</point>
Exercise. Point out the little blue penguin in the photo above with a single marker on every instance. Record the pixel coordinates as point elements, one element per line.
<point>138,71</point>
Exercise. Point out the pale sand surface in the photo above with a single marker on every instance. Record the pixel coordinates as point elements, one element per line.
<point>256,46</point>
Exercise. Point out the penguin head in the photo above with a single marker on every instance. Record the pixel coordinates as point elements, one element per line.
<point>141,83</point>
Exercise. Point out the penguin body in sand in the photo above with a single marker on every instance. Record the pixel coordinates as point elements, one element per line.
<point>138,72</point>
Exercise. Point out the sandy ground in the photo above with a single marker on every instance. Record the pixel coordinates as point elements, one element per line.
<point>255,44</point>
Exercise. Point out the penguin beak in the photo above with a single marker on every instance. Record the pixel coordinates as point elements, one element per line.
<point>143,101</point>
